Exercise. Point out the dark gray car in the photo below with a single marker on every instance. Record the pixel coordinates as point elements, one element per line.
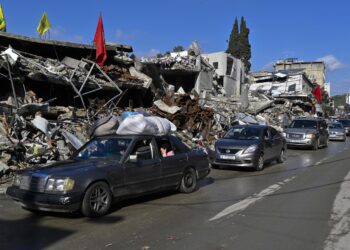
<point>307,132</point>
<point>249,146</point>
<point>110,168</point>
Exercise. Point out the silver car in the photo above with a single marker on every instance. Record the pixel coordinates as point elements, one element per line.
<point>307,132</point>
<point>249,146</point>
<point>336,131</point>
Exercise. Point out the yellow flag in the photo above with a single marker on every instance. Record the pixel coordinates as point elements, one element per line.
<point>2,20</point>
<point>44,25</point>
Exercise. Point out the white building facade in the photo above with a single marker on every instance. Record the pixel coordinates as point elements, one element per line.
<point>229,71</point>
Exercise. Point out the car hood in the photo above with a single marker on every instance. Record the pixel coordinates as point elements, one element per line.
<point>69,167</point>
<point>341,130</point>
<point>232,143</point>
<point>301,130</point>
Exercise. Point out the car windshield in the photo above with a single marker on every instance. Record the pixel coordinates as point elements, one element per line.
<point>113,148</point>
<point>335,125</point>
<point>243,133</point>
<point>345,122</point>
<point>304,124</point>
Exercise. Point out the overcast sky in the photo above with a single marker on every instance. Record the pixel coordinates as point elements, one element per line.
<point>303,29</point>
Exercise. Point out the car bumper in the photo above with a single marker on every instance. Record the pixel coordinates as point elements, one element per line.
<point>300,142</point>
<point>337,137</point>
<point>43,201</point>
<point>246,160</point>
<point>203,173</point>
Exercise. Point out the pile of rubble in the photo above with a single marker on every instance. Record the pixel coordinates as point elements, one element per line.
<point>190,60</point>
<point>41,128</point>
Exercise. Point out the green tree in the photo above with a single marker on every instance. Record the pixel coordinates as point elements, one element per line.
<point>233,43</point>
<point>178,48</point>
<point>244,45</point>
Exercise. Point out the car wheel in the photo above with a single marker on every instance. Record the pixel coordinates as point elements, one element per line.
<point>188,181</point>
<point>259,164</point>
<point>214,166</point>
<point>315,146</point>
<point>281,157</point>
<point>97,200</point>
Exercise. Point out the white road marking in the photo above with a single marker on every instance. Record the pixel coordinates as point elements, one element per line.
<point>339,237</point>
<point>239,206</point>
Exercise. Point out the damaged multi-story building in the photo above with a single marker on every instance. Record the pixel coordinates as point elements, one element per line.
<point>315,70</point>
<point>229,71</point>
<point>66,74</point>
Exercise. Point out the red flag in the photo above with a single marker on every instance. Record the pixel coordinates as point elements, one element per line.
<point>99,40</point>
<point>317,93</point>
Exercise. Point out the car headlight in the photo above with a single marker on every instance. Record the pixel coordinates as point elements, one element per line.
<point>310,136</point>
<point>60,185</point>
<point>250,149</point>
<point>16,180</point>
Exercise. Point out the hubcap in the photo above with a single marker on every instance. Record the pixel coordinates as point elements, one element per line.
<point>98,199</point>
<point>189,180</point>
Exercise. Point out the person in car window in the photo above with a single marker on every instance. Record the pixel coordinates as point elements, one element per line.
<point>166,150</point>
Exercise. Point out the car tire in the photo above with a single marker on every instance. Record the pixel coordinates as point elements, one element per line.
<point>315,145</point>
<point>259,164</point>
<point>281,157</point>
<point>214,166</point>
<point>97,200</point>
<point>189,181</point>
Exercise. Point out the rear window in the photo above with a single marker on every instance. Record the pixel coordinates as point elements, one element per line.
<point>179,145</point>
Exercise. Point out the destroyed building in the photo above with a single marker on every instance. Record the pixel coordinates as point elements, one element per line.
<point>283,83</point>
<point>186,70</point>
<point>53,93</point>
<point>315,70</point>
<point>51,68</point>
<point>229,72</point>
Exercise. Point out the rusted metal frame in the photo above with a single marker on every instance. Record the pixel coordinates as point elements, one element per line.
<point>87,77</point>
<point>109,79</point>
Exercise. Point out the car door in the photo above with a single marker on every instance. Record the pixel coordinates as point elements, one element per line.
<point>324,132</point>
<point>276,141</point>
<point>142,169</point>
<point>172,166</point>
<point>268,149</point>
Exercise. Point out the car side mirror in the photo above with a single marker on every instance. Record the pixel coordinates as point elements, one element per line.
<point>132,158</point>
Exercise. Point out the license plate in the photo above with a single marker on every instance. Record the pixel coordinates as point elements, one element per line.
<point>294,141</point>
<point>228,157</point>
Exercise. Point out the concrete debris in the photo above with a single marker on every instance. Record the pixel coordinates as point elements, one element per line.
<point>49,108</point>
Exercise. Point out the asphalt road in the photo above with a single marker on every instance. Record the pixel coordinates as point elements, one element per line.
<point>294,205</point>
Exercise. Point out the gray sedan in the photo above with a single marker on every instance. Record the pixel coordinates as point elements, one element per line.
<point>336,131</point>
<point>249,146</point>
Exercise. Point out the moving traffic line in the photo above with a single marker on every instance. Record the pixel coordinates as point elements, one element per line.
<point>251,200</point>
